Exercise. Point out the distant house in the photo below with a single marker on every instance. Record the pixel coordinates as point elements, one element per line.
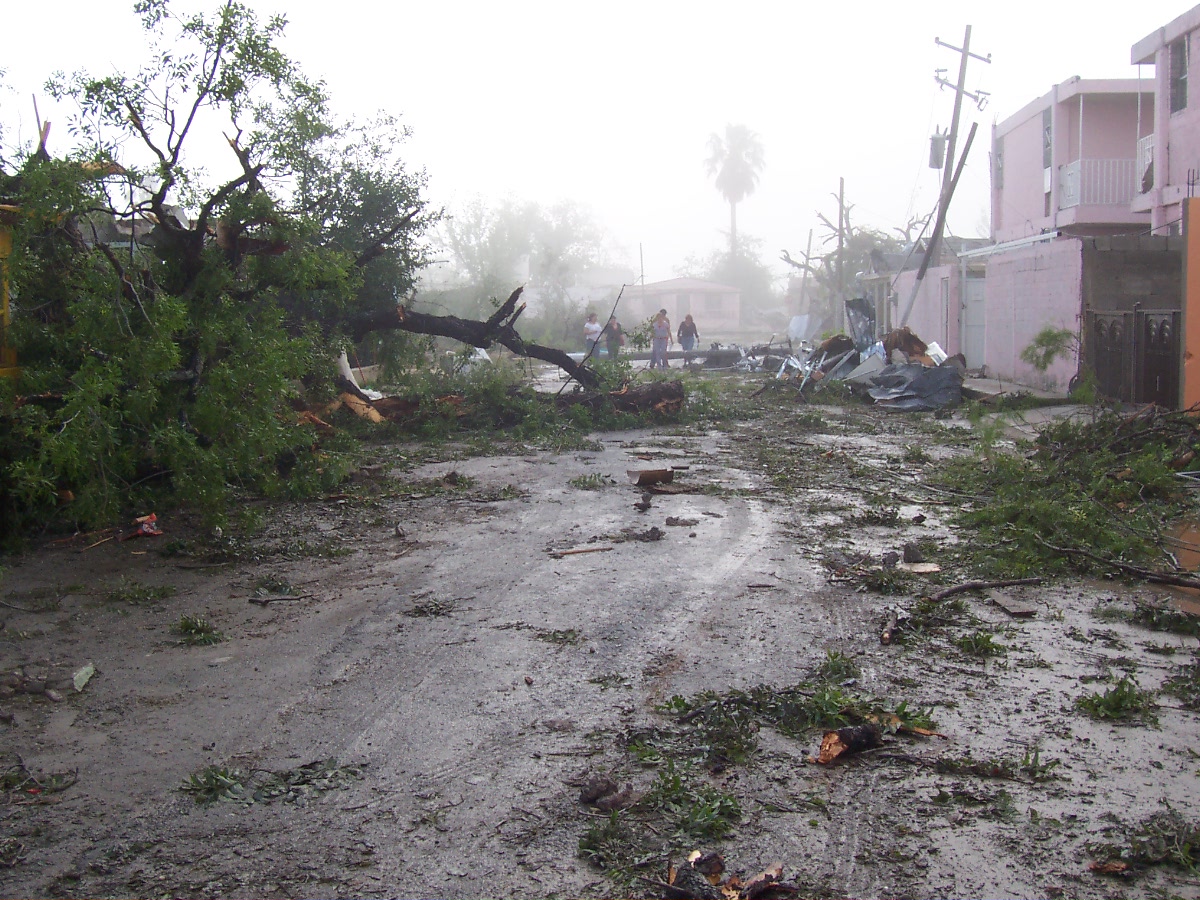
<point>714,306</point>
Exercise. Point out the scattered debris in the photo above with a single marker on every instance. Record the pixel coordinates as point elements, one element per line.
<point>981,586</point>
<point>651,476</point>
<point>279,598</point>
<point>654,533</point>
<point>596,786</point>
<point>645,503</point>
<point>889,629</point>
<point>851,739</point>
<point>677,522</point>
<point>17,781</point>
<point>700,879</point>
<point>83,676</point>
<point>559,554</point>
<point>431,609</point>
<point>146,526</point>
<point>1011,605</point>
<point>215,783</point>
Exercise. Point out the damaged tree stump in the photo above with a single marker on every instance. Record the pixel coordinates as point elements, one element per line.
<point>851,739</point>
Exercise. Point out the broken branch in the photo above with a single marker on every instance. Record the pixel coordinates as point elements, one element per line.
<point>982,585</point>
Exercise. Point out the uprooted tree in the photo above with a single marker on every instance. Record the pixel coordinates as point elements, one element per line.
<point>166,324</point>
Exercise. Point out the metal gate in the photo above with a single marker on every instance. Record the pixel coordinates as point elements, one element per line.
<point>1135,355</point>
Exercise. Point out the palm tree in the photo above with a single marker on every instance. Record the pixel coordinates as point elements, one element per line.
<point>737,160</point>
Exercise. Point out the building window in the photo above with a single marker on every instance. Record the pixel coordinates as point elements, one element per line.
<point>713,303</point>
<point>998,166</point>
<point>1047,139</point>
<point>1179,74</point>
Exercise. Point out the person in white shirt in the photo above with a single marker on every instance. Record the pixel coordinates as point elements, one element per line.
<point>591,334</point>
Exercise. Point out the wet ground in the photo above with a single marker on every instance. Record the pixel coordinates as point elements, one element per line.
<point>462,675</point>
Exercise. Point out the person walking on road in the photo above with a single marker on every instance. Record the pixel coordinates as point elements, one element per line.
<point>688,334</point>
<point>591,335</point>
<point>614,337</point>
<point>660,338</point>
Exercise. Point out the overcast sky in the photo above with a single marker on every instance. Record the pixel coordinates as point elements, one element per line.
<point>611,104</point>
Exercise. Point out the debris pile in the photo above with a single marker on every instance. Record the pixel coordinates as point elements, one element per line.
<point>899,372</point>
<point>703,877</point>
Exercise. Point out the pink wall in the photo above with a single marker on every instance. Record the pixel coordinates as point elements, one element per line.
<point>1028,289</point>
<point>931,320</point>
<point>1110,131</point>
<point>1018,205</point>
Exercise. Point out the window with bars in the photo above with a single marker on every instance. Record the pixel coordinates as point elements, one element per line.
<point>1179,74</point>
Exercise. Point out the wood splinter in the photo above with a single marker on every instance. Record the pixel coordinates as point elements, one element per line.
<point>559,554</point>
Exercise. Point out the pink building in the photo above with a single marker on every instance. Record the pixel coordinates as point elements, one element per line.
<point>1065,171</point>
<point>715,307</point>
<point>1069,161</point>
<point>1170,151</point>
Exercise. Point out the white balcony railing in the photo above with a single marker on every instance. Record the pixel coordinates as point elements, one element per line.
<point>1145,159</point>
<point>1097,182</point>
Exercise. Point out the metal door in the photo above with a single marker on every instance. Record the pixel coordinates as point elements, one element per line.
<point>973,332</point>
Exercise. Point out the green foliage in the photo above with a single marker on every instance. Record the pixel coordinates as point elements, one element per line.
<point>593,482</point>
<point>1154,616</point>
<point>887,581</point>
<point>1164,838</point>
<point>163,370</point>
<point>837,667</point>
<point>195,631</point>
<point>1184,684</point>
<point>980,643</point>
<point>692,807</point>
<point>610,844</point>
<point>1100,486</point>
<point>217,783</point>
<point>1048,345</point>
<point>1124,702</point>
<point>1030,765</point>
<point>128,590</point>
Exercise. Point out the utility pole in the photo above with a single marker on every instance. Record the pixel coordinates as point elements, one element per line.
<point>948,173</point>
<point>841,281</point>
<point>804,278</point>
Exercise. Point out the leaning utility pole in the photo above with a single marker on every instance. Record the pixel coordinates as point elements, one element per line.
<point>949,181</point>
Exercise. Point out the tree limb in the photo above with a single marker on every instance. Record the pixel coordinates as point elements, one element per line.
<point>498,329</point>
<point>380,245</point>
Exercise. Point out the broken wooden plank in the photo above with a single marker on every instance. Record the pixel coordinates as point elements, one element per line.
<point>559,554</point>
<point>1012,605</point>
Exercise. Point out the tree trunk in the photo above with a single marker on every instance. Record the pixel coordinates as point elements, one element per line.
<point>499,329</point>
<point>733,243</point>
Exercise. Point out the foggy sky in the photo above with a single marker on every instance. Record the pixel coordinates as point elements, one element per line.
<point>611,104</point>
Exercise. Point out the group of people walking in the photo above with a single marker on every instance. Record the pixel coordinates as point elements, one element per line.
<point>660,337</point>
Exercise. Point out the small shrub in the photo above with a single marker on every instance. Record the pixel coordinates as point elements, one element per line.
<point>195,631</point>
<point>1123,702</point>
<point>980,643</point>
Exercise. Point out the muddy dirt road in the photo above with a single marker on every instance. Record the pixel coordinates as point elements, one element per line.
<point>461,678</point>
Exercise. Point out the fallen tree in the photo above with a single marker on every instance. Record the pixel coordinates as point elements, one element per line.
<point>499,328</point>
